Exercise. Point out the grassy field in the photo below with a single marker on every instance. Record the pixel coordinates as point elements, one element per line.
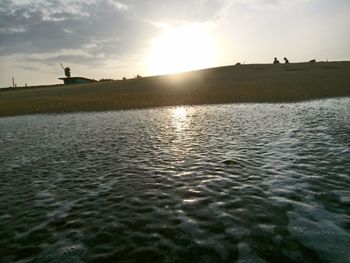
<point>245,83</point>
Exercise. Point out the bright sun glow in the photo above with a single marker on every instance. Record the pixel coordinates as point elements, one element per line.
<point>181,49</point>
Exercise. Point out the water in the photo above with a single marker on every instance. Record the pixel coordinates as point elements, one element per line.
<point>223,183</point>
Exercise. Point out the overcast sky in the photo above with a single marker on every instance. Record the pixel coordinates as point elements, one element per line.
<point>111,39</point>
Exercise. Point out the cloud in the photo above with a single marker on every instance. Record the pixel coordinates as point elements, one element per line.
<point>258,4</point>
<point>91,31</point>
<point>177,10</point>
<point>103,28</point>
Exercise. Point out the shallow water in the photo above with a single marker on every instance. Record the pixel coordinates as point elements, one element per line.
<point>223,183</point>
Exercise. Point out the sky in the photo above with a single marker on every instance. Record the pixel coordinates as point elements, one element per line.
<point>114,39</point>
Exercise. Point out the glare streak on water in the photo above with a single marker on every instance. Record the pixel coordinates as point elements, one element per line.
<point>222,183</point>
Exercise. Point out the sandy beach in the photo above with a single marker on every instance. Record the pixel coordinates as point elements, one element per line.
<point>229,84</point>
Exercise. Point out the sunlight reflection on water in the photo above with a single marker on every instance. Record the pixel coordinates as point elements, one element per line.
<point>179,117</point>
<point>180,113</point>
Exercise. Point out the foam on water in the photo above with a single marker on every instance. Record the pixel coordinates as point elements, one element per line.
<point>222,183</point>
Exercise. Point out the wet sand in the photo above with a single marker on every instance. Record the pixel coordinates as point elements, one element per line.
<point>230,84</point>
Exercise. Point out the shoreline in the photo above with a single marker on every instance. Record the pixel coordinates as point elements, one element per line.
<point>169,106</point>
<point>255,83</point>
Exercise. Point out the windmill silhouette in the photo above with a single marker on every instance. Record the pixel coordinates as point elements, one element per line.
<point>66,70</point>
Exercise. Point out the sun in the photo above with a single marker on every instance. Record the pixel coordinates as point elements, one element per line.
<point>181,49</point>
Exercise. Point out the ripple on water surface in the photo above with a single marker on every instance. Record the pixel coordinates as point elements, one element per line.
<point>223,183</point>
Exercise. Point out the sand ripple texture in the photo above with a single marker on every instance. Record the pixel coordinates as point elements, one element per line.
<point>223,183</point>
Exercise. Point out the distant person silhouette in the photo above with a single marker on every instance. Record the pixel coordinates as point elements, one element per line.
<point>276,61</point>
<point>286,61</point>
